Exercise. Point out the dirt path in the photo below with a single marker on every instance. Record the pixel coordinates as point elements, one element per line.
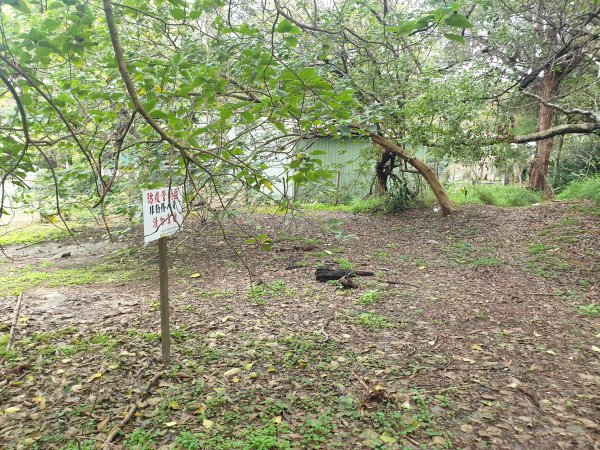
<point>478,331</point>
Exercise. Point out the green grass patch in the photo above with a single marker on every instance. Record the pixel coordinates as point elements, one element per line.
<point>466,253</point>
<point>372,321</point>
<point>534,249</point>
<point>588,189</point>
<point>591,310</point>
<point>7,355</point>
<point>50,336</point>
<point>260,293</point>
<point>546,265</point>
<point>486,261</point>
<point>345,264</point>
<point>31,234</point>
<point>368,205</point>
<point>369,297</point>
<point>494,194</point>
<point>21,280</point>
<point>284,208</point>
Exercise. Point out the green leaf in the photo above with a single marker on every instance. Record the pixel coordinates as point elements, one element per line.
<point>307,74</point>
<point>26,99</point>
<point>43,51</point>
<point>408,26</point>
<point>75,30</point>
<point>285,26</point>
<point>459,21</point>
<point>225,113</point>
<point>455,37</point>
<point>35,35</point>
<point>292,41</point>
<point>178,13</point>
<point>50,24</point>
<point>388,438</point>
<point>345,96</point>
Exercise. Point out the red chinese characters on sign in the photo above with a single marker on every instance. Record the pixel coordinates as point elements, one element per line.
<point>163,212</point>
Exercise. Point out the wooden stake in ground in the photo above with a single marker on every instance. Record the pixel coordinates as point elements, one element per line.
<point>165,335</point>
<point>14,322</point>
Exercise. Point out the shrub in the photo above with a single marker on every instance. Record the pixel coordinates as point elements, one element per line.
<point>587,189</point>
<point>494,194</point>
<point>368,205</point>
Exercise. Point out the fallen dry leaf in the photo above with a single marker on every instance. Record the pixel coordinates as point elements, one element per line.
<point>95,376</point>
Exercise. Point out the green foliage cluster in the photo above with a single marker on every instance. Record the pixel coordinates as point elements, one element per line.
<point>367,205</point>
<point>372,321</point>
<point>588,189</point>
<point>229,94</point>
<point>591,310</point>
<point>369,297</point>
<point>578,160</point>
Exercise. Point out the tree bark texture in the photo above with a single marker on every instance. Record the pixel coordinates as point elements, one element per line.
<point>539,167</point>
<point>426,172</point>
<point>383,168</point>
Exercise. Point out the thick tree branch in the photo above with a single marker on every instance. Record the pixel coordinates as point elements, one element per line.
<point>569,112</point>
<point>570,128</point>
<point>427,173</point>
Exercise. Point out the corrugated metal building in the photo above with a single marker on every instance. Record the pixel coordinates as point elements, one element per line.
<point>352,162</point>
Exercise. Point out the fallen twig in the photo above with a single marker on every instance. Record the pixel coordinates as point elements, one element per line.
<point>117,428</point>
<point>412,441</point>
<point>398,282</point>
<point>365,385</point>
<point>15,319</point>
<point>546,294</point>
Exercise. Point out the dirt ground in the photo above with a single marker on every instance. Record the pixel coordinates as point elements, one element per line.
<point>478,330</point>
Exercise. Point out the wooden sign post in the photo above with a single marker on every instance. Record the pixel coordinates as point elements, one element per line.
<point>165,335</point>
<point>163,216</point>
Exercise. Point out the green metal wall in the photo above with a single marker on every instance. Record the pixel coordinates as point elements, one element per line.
<point>353,174</point>
<point>354,171</point>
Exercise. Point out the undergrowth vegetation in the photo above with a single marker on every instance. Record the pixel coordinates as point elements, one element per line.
<point>31,234</point>
<point>494,194</point>
<point>587,189</point>
<point>28,277</point>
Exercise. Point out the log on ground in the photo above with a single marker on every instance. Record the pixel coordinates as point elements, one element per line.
<point>328,274</point>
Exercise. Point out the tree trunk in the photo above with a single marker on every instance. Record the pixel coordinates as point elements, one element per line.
<point>539,167</point>
<point>382,172</point>
<point>426,172</point>
<point>561,141</point>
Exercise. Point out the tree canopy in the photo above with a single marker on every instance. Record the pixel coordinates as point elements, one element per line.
<point>103,98</point>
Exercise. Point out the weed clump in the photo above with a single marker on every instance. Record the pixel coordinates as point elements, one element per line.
<point>588,189</point>
<point>495,195</point>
